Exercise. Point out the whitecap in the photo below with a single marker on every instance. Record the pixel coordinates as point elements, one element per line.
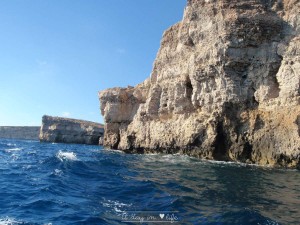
<point>35,179</point>
<point>233,163</point>
<point>115,205</point>
<point>58,172</point>
<point>62,156</point>
<point>118,210</point>
<point>31,141</point>
<point>9,221</point>
<point>13,149</point>
<point>27,167</point>
<point>153,154</point>
<point>11,144</point>
<point>175,158</point>
<point>113,151</point>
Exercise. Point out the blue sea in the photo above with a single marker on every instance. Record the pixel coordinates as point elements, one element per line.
<point>45,183</point>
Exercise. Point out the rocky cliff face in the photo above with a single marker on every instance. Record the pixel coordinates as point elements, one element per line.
<point>17,132</point>
<point>224,86</point>
<point>64,130</point>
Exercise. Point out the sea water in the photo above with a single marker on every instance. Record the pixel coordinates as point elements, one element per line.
<point>45,183</point>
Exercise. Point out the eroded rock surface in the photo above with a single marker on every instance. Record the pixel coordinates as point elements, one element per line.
<point>224,86</point>
<point>64,130</point>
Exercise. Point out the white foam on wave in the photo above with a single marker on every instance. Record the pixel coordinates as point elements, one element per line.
<point>178,158</point>
<point>113,151</point>
<point>220,162</point>
<point>57,172</point>
<point>231,163</point>
<point>9,221</point>
<point>13,149</point>
<point>115,205</point>
<point>30,141</point>
<point>27,167</point>
<point>11,144</point>
<point>171,158</point>
<point>63,156</point>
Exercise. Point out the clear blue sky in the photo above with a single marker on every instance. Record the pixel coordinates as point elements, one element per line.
<point>55,55</point>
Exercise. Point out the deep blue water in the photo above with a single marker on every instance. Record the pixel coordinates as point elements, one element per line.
<point>44,183</point>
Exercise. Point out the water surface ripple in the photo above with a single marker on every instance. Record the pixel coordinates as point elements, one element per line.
<point>44,183</point>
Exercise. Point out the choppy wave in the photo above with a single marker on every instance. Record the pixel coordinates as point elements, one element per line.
<point>58,172</point>
<point>117,206</point>
<point>175,158</point>
<point>235,164</point>
<point>62,156</point>
<point>114,151</point>
<point>13,149</point>
<point>10,144</point>
<point>9,221</point>
<point>78,184</point>
<point>178,158</point>
<point>30,141</point>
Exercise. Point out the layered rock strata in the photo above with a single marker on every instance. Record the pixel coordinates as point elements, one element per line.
<point>20,132</point>
<point>64,130</point>
<point>224,86</point>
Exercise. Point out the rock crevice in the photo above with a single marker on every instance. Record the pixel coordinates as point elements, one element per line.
<point>225,86</point>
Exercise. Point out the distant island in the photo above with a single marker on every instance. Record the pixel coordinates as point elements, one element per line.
<point>20,132</point>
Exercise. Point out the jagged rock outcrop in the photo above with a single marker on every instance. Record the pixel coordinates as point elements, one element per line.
<point>224,86</point>
<point>65,130</point>
<point>20,132</point>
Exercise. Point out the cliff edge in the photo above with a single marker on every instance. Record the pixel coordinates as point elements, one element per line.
<point>65,130</point>
<point>224,86</point>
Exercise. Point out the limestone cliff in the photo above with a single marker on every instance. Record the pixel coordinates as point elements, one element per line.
<point>64,130</point>
<point>20,132</point>
<point>224,86</point>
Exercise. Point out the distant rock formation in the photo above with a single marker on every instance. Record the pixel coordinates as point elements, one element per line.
<point>64,130</point>
<point>20,132</point>
<point>225,86</point>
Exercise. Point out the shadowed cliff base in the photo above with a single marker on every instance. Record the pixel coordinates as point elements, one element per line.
<point>224,86</point>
